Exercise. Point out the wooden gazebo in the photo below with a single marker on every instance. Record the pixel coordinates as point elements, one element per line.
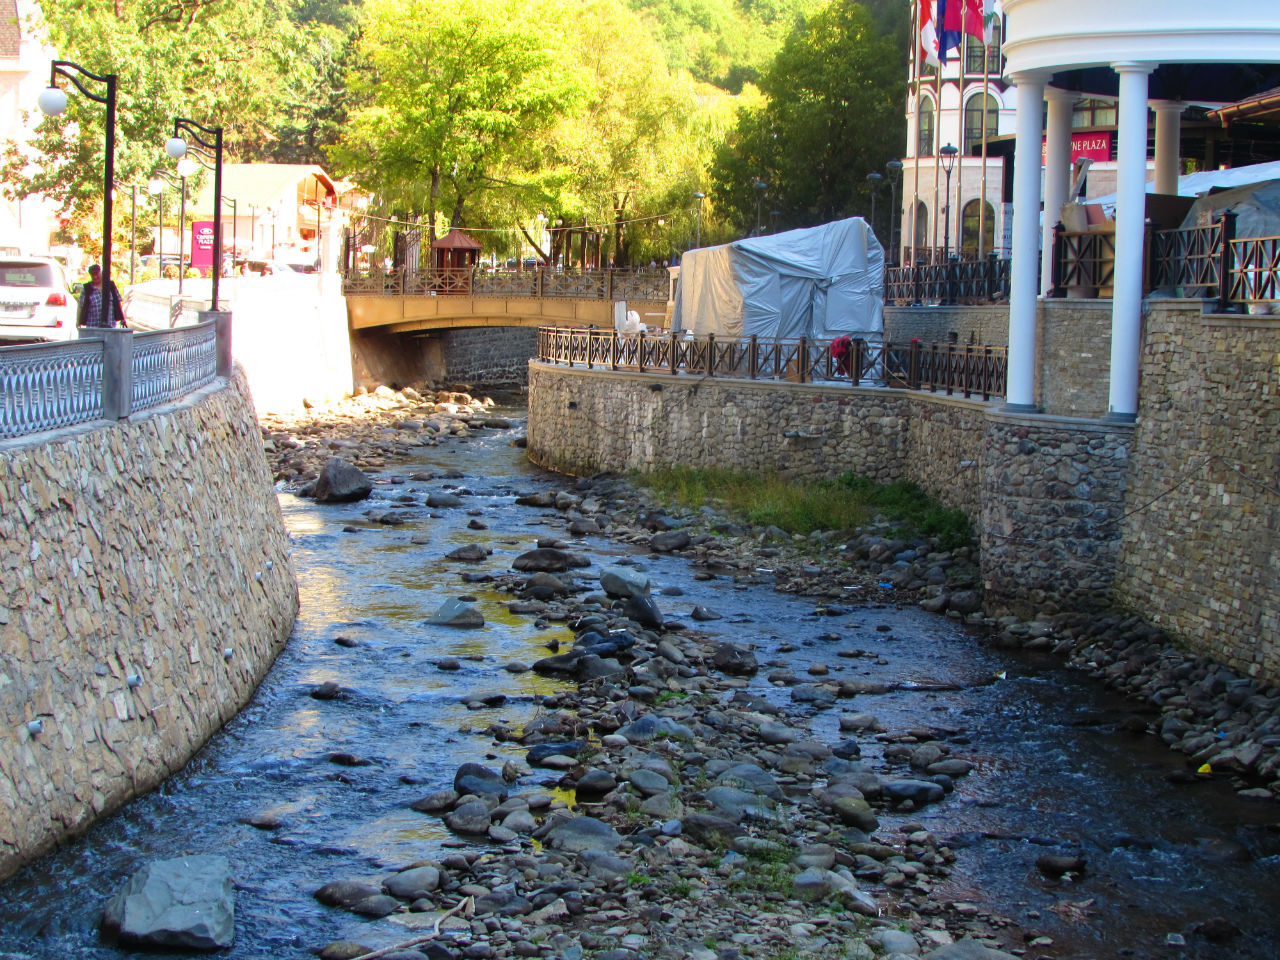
<point>453,258</point>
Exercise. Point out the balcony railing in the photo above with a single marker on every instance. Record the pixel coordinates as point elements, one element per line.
<point>949,282</point>
<point>107,375</point>
<point>966,369</point>
<point>652,284</point>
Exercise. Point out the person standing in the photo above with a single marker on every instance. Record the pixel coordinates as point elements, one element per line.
<point>90,313</point>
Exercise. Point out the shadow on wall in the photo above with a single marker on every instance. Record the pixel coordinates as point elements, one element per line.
<point>394,359</point>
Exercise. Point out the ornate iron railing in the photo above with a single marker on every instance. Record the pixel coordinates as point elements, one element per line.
<point>967,369</point>
<point>107,375</point>
<point>956,281</point>
<point>48,386</point>
<point>650,284</point>
<point>168,364</point>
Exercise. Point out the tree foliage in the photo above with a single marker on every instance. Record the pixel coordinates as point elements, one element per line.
<point>218,62</point>
<point>833,112</point>
<point>450,93</point>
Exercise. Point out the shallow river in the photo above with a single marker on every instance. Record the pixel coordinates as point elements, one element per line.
<point>1055,771</point>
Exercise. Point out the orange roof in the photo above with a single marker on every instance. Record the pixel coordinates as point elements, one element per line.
<point>455,239</point>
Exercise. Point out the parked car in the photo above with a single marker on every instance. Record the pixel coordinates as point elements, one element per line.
<point>35,301</point>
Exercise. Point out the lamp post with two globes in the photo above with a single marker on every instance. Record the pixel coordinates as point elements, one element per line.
<point>53,101</point>
<point>177,148</point>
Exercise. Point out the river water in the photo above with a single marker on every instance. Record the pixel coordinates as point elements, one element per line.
<point>1056,771</point>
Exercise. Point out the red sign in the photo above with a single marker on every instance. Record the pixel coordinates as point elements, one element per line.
<point>202,243</point>
<point>1090,146</point>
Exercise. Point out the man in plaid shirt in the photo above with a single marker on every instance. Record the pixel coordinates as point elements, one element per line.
<point>90,313</point>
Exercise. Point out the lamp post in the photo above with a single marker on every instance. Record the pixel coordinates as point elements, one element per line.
<point>948,164</point>
<point>186,167</point>
<point>133,229</point>
<point>176,147</point>
<point>760,188</point>
<point>235,234</point>
<point>697,236</point>
<point>156,189</point>
<point>895,215</point>
<point>874,179</point>
<point>53,101</point>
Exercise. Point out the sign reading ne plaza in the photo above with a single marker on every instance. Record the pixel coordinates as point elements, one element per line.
<point>202,243</point>
<point>1089,146</point>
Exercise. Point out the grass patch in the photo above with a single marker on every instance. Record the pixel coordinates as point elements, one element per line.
<point>843,504</point>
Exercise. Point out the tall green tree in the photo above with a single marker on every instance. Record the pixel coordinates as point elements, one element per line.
<point>833,113</point>
<point>451,96</point>
<point>218,62</point>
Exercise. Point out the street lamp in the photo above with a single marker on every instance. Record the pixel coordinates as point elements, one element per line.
<point>156,189</point>
<point>697,237</point>
<point>53,101</point>
<point>176,147</point>
<point>895,215</point>
<point>760,187</point>
<point>874,180</point>
<point>186,167</point>
<point>948,164</point>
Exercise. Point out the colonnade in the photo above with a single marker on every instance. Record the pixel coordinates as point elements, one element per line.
<point>1032,244</point>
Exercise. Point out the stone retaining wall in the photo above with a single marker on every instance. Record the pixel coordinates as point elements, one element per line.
<point>145,588</point>
<point>488,354</point>
<point>1201,553</point>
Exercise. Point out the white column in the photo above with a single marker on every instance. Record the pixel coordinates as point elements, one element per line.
<point>1168,145</point>
<point>1131,211</point>
<point>1057,174</point>
<point>1025,246</point>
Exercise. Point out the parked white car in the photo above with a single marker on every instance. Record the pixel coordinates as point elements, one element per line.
<point>35,302</point>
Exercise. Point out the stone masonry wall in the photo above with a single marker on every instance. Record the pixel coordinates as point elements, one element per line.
<point>1053,494</point>
<point>986,324</point>
<point>143,550</point>
<point>484,355</point>
<point>581,422</point>
<point>1201,552</point>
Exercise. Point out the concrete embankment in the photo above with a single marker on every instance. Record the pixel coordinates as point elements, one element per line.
<point>145,588</point>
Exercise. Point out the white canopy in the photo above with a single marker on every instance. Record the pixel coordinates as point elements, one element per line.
<point>819,282</point>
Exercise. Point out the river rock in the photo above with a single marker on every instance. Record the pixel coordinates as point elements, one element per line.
<point>187,902</point>
<point>624,582</point>
<point>855,812</point>
<point>477,779</point>
<point>1057,865</point>
<point>413,883</point>
<point>470,553</point>
<point>583,527</point>
<point>703,614</point>
<point>668,541</point>
<point>440,499</point>
<point>651,727</point>
<point>648,783</point>
<point>604,866</point>
<point>345,893</point>
<point>437,802</point>
<point>543,558</point>
<point>708,830</point>
<point>753,779</point>
<point>898,941</point>
<point>471,818</point>
<point>968,949</point>
<point>456,613</point>
<point>644,611</point>
<point>582,833</point>
<point>596,781</point>
<point>917,791</point>
<point>341,482</point>
<point>734,660</point>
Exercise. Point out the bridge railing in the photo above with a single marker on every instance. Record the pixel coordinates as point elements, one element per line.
<point>967,369</point>
<point>651,284</point>
<point>107,375</point>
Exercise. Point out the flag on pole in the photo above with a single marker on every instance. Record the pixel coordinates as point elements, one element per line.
<point>990,14</point>
<point>928,33</point>
<point>951,19</point>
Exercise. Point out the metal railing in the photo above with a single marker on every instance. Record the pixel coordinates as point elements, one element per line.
<point>949,282</point>
<point>108,374</point>
<point>652,284</point>
<point>966,369</point>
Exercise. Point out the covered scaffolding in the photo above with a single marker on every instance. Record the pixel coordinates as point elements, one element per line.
<point>821,282</point>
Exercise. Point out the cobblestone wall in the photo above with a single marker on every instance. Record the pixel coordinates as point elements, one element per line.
<point>581,422</point>
<point>985,324</point>
<point>1053,492</point>
<point>486,355</point>
<point>1201,550</point>
<point>145,588</point>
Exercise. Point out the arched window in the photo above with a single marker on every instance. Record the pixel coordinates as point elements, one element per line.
<point>924,128</point>
<point>969,229</point>
<point>920,240</point>
<point>973,122</point>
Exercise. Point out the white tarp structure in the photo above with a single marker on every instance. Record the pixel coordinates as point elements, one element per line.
<point>821,282</point>
<point>1256,206</point>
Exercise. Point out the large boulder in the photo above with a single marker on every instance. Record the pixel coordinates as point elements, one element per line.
<point>624,582</point>
<point>547,559</point>
<point>581,834</point>
<point>188,902</point>
<point>341,482</point>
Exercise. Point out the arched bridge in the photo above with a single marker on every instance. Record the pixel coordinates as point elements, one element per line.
<point>401,302</point>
